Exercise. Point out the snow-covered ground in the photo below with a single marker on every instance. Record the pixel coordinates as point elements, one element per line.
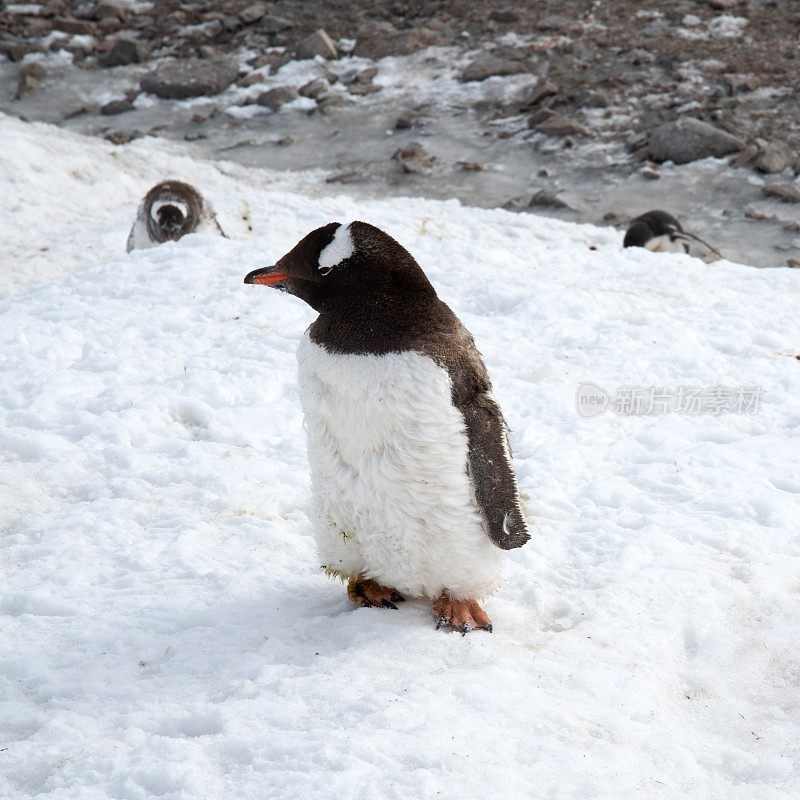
<point>165,630</point>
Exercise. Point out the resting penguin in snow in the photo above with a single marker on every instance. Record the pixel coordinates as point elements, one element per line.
<point>171,209</point>
<point>410,467</point>
<point>660,232</point>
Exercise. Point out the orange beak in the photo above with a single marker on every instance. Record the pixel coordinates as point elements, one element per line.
<point>267,276</point>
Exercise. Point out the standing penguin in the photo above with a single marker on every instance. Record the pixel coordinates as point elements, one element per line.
<point>410,466</point>
<point>170,210</point>
<point>660,232</point>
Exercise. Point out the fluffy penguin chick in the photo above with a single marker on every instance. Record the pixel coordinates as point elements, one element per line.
<point>170,210</point>
<point>660,232</point>
<point>410,467</point>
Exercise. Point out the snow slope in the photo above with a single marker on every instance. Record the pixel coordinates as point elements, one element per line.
<point>164,627</point>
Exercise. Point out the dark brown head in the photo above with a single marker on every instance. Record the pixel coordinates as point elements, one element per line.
<point>173,209</point>
<point>339,267</point>
<point>649,226</point>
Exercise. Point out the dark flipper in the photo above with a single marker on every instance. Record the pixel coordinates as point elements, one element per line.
<point>492,474</point>
<point>489,457</point>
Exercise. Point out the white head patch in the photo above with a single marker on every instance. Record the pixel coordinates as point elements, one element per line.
<point>340,249</point>
<point>169,201</point>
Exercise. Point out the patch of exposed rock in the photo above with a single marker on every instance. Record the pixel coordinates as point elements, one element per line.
<point>178,80</point>
<point>689,139</point>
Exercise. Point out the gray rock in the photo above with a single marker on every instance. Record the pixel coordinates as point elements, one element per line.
<point>774,157</point>
<point>122,137</point>
<point>333,100</point>
<point>540,115</point>
<point>316,44</point>
<point>348,176</point>
<point>554,22</point>
<point>34,69</point>
<point>250,80</point>
<point>275,24</point>
<point>689,139</point>
<point>123,51</point>
<point>274,60</point>
<point>397,43</point>
<point>559,125</point>
<point>109,24</point>
<point>315,89</point>
<point>547,199</point>
<point>359,76</point>
<point>504,17</point>
<point>408,119</point>
<point>30,79</point>
<point>745,156</point>
<point>785,192</point>
<point>544,198</point>
<point>593,99</point>
<point>739,84</point>
<point>757,215</point>
<point>277,96</point>
<point>108,9</point>
<point>532,96</point>
<point>415,159</point>
<point>116,107</point>
<point>13,51</point>
<point>363,88</point>
<point>177,80</point>
<point>487,65</point>
<point>81,27</point>
<point>253,13</point>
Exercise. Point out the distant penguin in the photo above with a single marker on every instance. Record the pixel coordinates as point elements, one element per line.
<point>411,471</point>
<point>170,210</point>
<point>660,232</point>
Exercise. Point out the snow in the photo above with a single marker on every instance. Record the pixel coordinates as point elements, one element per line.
<point>165,630</point>
<point>724,26</point>
<point>727,26</point>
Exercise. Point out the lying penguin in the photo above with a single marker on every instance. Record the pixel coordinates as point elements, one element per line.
<point>660,232</point>
<point>410,466</point>
<point>170,210</point>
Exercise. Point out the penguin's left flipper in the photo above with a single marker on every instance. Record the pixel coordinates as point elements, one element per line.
<point>490,470</point>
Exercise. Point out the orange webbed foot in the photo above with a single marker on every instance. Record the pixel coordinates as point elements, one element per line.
<point>461,615</point>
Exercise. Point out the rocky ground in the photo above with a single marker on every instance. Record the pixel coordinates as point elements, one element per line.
<point>516,104</point>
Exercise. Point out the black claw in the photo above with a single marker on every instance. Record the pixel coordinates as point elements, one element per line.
<point>464,629</point>
<point>441,622</point>
<point>487,628</point>
<point>398,598</point>
<point>389,604</point>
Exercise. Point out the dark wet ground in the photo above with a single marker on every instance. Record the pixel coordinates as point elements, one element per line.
<point>480,147</point>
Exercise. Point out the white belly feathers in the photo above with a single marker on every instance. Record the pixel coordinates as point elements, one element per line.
<point>388,457</point>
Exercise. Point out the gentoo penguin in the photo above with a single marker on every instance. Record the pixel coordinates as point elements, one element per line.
<point>171,209</point>
<point>411,471</point>
<point>660,232</point>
